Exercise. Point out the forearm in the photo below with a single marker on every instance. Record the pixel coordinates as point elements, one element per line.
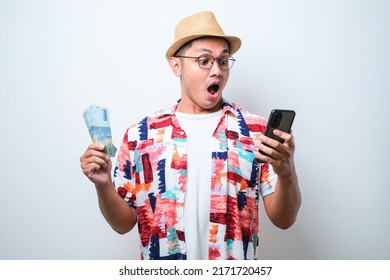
<point>115,210</point>
<point>285,202</point>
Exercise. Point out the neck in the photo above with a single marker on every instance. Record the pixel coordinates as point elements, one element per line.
<point>195,109</point>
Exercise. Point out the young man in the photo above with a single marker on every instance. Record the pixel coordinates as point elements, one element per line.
<point>189,174</point>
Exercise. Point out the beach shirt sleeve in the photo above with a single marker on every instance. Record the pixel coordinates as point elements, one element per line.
<point>123,172</point>
<point>267,179</point>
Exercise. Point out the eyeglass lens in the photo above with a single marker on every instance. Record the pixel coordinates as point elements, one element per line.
<point>206,61</point>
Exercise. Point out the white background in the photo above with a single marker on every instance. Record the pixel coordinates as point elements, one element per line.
<point>327,60</point>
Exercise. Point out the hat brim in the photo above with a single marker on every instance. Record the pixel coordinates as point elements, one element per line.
<point>234,43</point>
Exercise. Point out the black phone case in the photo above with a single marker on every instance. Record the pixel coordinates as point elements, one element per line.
<point>279,119</point>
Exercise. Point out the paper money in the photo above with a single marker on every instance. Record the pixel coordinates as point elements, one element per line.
<point>98,122</point>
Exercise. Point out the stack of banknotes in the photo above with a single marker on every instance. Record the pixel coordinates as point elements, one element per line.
<point>98,122</point>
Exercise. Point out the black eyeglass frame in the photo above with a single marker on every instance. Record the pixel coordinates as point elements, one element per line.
<point>198,58</point>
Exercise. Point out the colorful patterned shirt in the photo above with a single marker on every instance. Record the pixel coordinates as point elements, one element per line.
<point>151,173</point>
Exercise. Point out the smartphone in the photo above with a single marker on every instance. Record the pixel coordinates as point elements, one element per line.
<point>279,119</point>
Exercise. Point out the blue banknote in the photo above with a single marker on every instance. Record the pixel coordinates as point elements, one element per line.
<point>97,120</point>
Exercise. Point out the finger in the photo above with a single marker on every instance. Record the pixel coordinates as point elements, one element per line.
<point>261,158</point>
<point>96,146</point>
<point>98,160</point>
<point>94,156</point>
<point>90,169</point>
<point>91,152</point>
<point>267,151</point>
<point>283,135</point>
<point>269,143</point>
<point>288,138</point>
<point>279,152</point>
<point>95,149</point>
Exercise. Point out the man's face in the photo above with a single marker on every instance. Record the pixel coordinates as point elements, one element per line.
<point>202,88</point>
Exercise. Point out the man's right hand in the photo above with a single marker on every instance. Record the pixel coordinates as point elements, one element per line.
<point>96,165</point>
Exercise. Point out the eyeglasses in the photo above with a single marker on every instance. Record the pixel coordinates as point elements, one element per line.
<point>206,61</point>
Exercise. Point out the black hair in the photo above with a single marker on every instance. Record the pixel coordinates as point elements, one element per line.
<point>182,50</point>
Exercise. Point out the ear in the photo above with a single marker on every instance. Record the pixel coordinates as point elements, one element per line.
<point>175,64</point>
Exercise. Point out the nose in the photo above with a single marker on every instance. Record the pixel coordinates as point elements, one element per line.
<point>216,68</point>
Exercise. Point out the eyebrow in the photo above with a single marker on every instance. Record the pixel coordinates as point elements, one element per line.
<point>225,51</point>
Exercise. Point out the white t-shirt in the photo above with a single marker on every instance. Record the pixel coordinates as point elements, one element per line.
<point>199,129</point>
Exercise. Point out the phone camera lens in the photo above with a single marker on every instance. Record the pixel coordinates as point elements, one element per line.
<point>277,119</point>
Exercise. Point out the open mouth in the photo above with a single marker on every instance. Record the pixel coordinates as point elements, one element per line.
<point>213,89</point>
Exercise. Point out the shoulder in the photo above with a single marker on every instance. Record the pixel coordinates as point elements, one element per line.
<point>255,123</point>
<point>159,119</point>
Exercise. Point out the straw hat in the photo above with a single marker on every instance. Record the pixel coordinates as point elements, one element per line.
<point>200,25</point>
